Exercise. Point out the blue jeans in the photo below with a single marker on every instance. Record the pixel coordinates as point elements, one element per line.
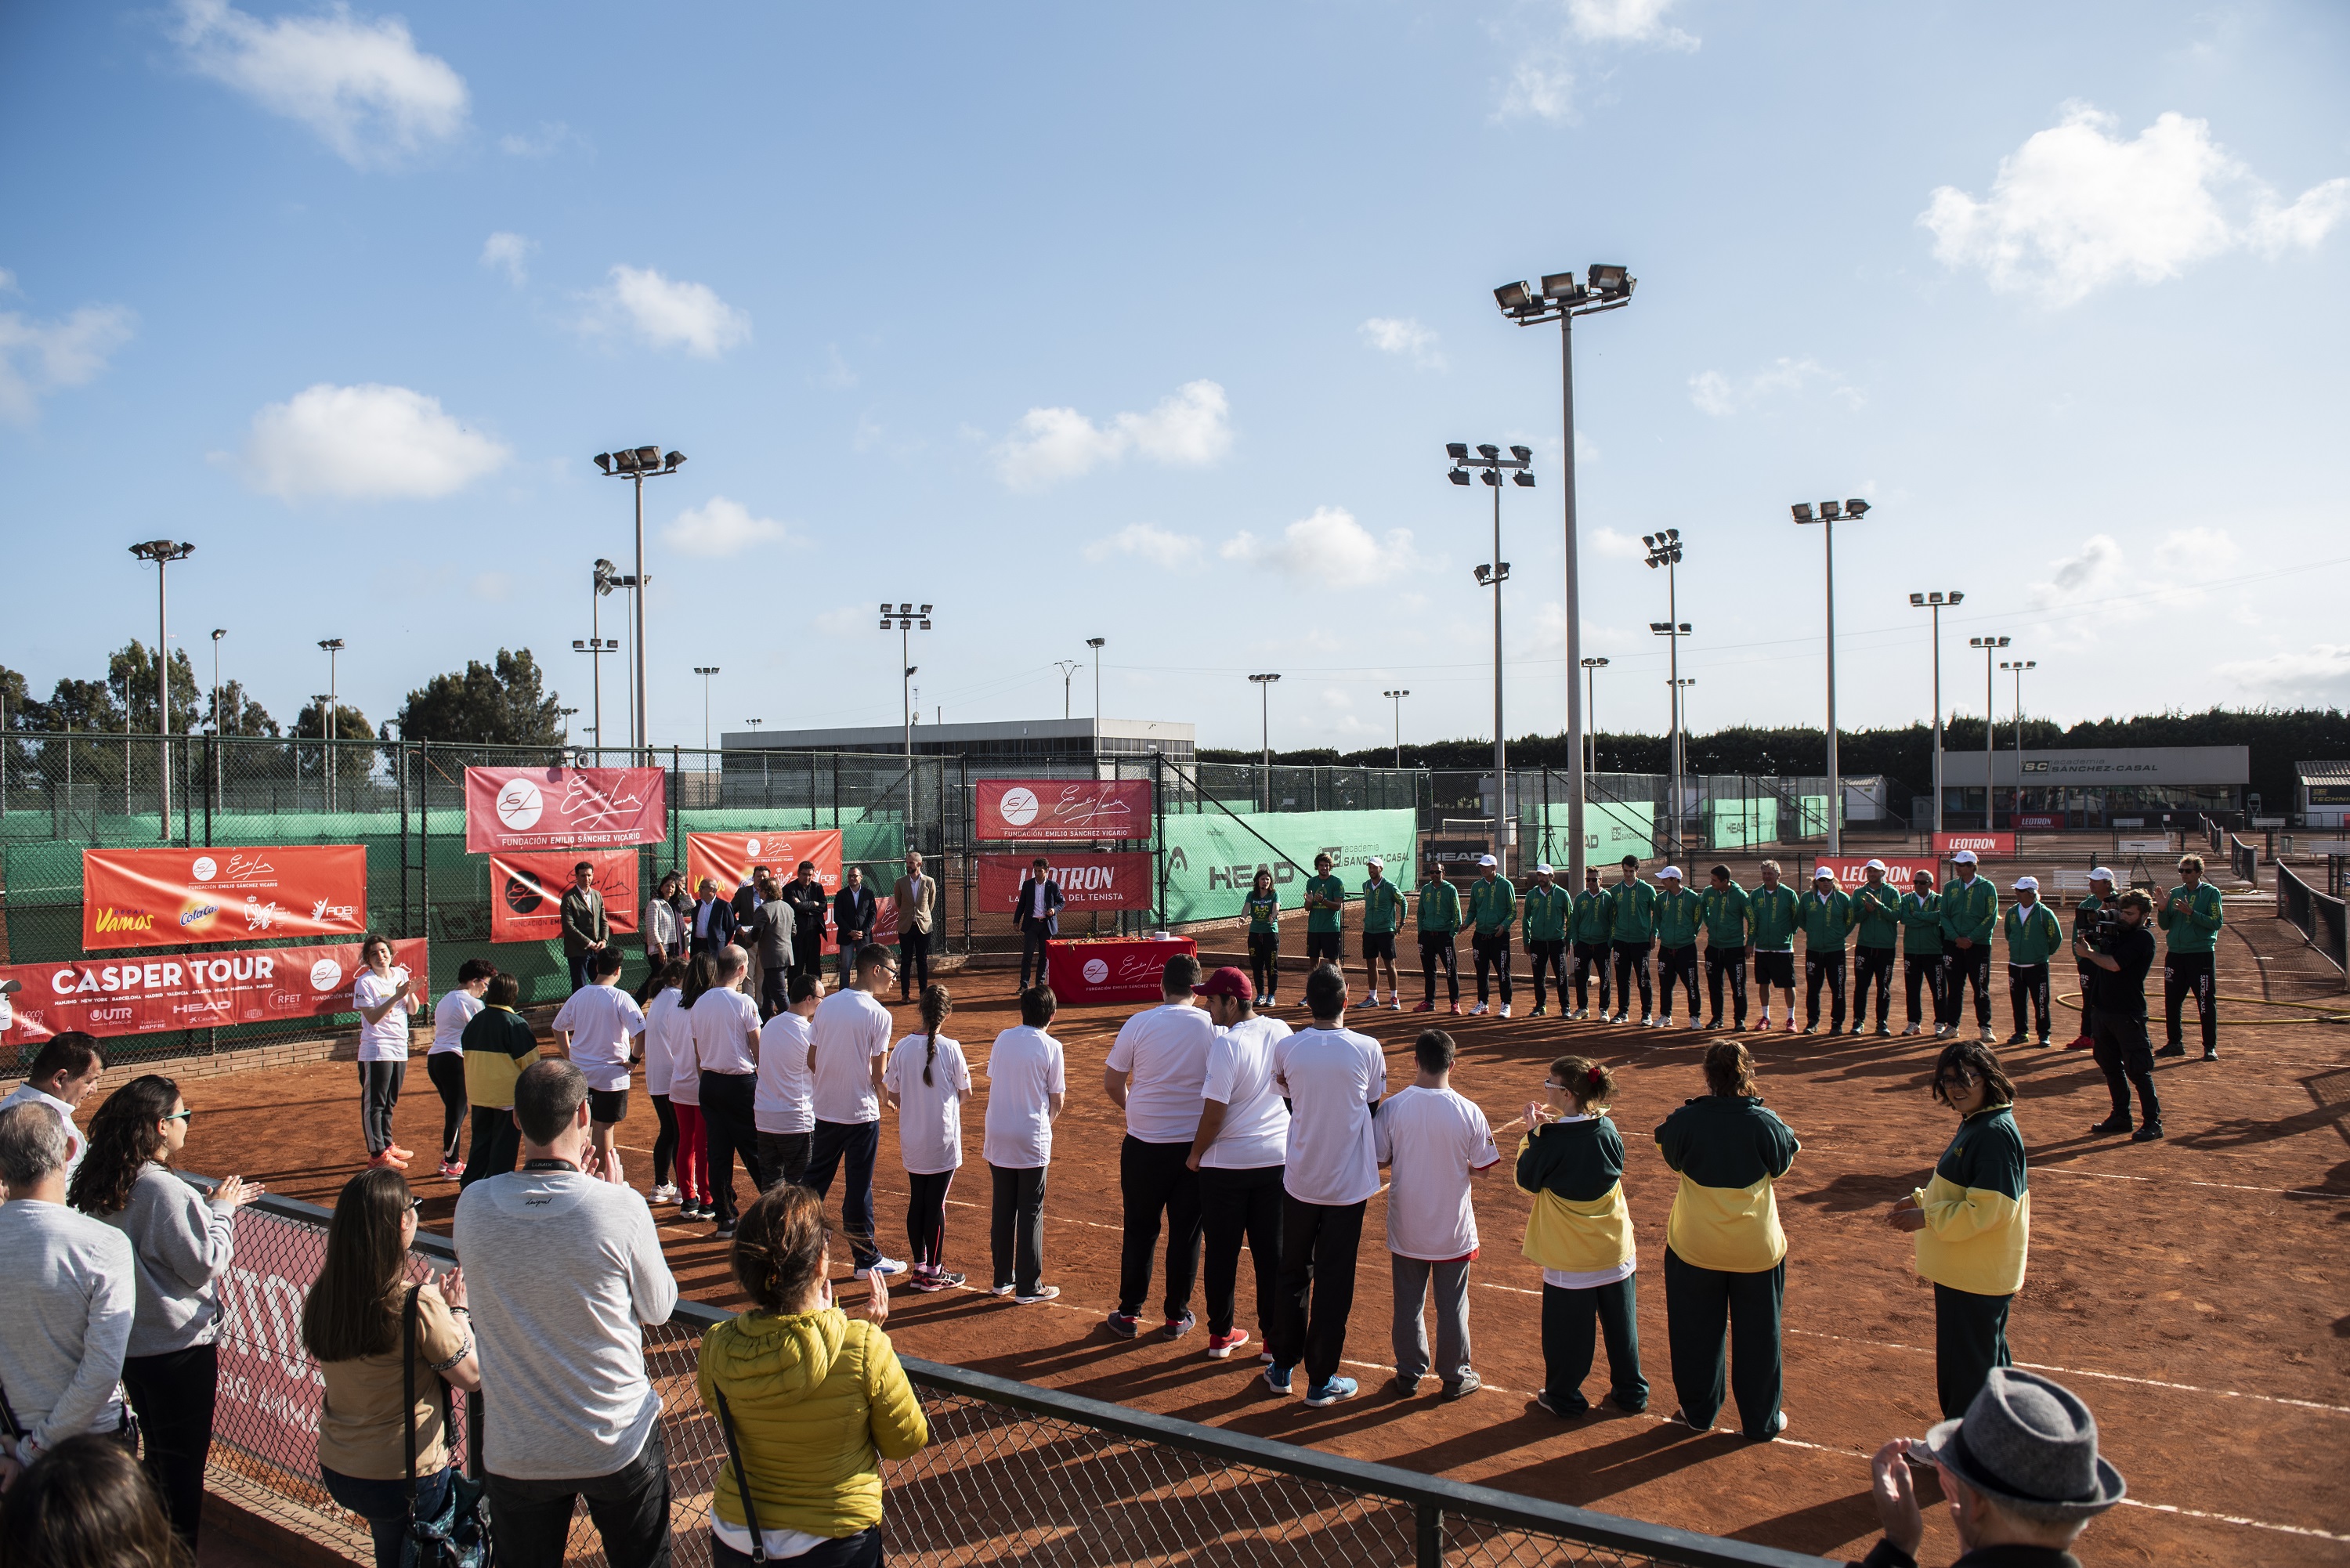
<point>859,1143</point>
<point>580,978</point>
<point>384,1505</point>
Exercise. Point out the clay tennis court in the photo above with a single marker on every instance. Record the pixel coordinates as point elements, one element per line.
<point>2192,1290</point>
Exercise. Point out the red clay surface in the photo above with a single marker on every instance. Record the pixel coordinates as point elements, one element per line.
<point>2192,1290</point>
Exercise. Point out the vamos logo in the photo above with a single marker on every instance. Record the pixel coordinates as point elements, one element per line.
<point>113,921</point>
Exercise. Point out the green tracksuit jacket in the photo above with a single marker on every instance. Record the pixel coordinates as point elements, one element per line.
<point>2191,917</point>
<point>1827,921</point>
<point>1382,908</point>
<point>2032,933</point>
<point>1634,911</point>
<point>1547,911</point>
<point>1678,915</point>
<point>1594,916</point>
<point>1878,911</point>
<point>1439,907</point>
<point>1969,909</point>
<point>1492,905</point>
<point>1725,916</point>
<point>1772,912</point>
<point>1921,924</point>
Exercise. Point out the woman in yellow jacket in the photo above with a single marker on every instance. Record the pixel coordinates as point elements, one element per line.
<point>1572,1160</point>
<point>810,1401</point>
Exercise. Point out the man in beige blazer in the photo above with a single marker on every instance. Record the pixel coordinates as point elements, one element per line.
<point>918,904</point>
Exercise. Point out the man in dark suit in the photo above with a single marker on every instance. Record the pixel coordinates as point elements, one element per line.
<point>712,925</point>
<point>853,912</point>
<point>746,905</point>
<point>1037,912</point>
<point>807,898</point>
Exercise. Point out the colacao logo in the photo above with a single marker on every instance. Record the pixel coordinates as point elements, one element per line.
<point>197,912</point>
<point>113,919</point>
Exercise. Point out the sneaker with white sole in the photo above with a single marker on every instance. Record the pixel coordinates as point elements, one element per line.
<point>665,1193</point>
<point>1694,1024</point>
<point>1395,1002</point>
<point>1648,1021</point>
<point>1988,1037</point>
<point>1911,1030</point>
<point>1478,1011</point>
<point>1277,1378</point>
<point>885,1267</point>
<point>1505,1010</point>
<point>1222,1345</point>
<point>1320,1394</point>
<point>1040,1293</point>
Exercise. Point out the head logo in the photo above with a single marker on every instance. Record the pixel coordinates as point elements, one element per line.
<point>1018,806</point>
<point>1096,972</point>
<point>325,975</point>
<point>204,868</point>
<point>520,805</point>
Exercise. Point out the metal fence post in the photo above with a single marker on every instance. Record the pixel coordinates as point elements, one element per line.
<point>1159,829</point>
<point>1428,1533</point>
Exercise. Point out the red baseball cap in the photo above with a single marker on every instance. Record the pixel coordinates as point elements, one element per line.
<point>1227,981</point>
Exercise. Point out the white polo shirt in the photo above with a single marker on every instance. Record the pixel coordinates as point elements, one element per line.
<point>724,1023</point>
<point>930,1116</point>
<point>449,1016</point>
<point>601,1021</point>
<point>1255,1133</point>
<point>781,1103</point>
<point>385,1039</point>
<point>1331,1076</point>
<point>1165,1053</point>
<point>851,1028</point>
<point>665,1023</point>
<point>1025,1070</point>
<point>1432,1139</point>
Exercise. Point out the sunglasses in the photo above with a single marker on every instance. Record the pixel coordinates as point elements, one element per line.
<point>184,1116</point>
<point>416,1206</point>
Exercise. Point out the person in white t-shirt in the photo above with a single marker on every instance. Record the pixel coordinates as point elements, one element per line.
<point>1027,1087</point>
<point>600,1024</point>
<point>445,1062</point>
<point>1153,1073</point>
<point>1434,1140</point>
<point>726,1061</point>
<point>926,1079</point>
<point>669,1034</point>
<point>1243,1138</point>
<point>785,1106</point>
<point>850,1046</point>
<point>61,1077</point>
<point>1334,1079</point>
<point>660,998</point>
<point>384,996</point>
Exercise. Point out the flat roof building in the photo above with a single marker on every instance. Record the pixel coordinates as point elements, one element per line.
<point>2091,788</point>
<point>1011,742</point>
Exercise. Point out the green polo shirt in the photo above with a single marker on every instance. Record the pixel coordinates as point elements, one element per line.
<point>1330,919</point>
<point>1547,911</point>
<point>1725,916</point>
<point>2191,917</point>
<point>1382,907</point>
<point>1595,916</point>
<point>1678,914</point>
<point>1634,911</point>
<point>1878,911</point>
<point>1439,907</point>
<point>1492,905</point>
<point>1772,912</point>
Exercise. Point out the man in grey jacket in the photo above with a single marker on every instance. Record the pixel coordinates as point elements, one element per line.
<point>66,1294</point>
<point>585,926</point>
<point>771,929</point>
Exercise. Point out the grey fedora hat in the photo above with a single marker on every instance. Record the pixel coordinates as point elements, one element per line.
<point>2029,1445</point>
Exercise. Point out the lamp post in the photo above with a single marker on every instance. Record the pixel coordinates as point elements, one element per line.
<point>566,714</point>
<point>1264,731</point>
<point>1665,550</point>
<point>908,617</point>
<point>1489,466</point>
<point>218,632</point>
<point>1098,644</point>
<point>1591,667</point>
<point>162,552</point>
<point>1069,669</point>
<point>1991,646</point>
<point>1936,602</point>
<point>705,671</point>
<point>638,463</point>
<point>1829,512</point>
<point>1562,298</point>
<point>1396,698</point>
<point>2015,806</point>
<point>333,644</point>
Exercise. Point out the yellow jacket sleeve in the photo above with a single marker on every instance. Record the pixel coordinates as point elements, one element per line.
<point>900,1430</point>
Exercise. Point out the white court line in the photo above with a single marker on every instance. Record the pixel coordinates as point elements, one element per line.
<point>2230,1186</point>
<point>2079,1371</point>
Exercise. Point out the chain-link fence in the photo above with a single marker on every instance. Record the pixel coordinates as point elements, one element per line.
<point>1014,1471</point>
<point>2323,921</point>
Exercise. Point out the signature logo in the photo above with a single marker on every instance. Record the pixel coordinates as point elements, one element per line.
<point>204,868</point>
<point>585,805</point>
<point>523,897</point>
<point>248,868</point>
<point>519,805</point>
<point>111,919</point>
<point>199,912</point>
<point>258,916</point>
<point>1018,806</point>
<point>1096,972</point>
<point>325,974</point>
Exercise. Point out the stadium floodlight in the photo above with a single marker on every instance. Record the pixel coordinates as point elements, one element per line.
<point>705,671</point>
<point>1265,732</point>
<point>1494,468</point>
<point>909,620</point>
<point>1591,667</point>
<point>1396,697</point>
<point>1990,646</point>
<point>1936,602</point>
<point>1829,513</point>
<point>1512,296</point>
<point>162,552</point>
<point>636,464</point>
<point>1665,551</point>
<point>2015,808</point>
<point>1098,644</point>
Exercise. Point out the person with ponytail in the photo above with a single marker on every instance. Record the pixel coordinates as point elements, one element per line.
<point>1572,1160</point>
<point>926,1079</point>
<point>676,1038</point>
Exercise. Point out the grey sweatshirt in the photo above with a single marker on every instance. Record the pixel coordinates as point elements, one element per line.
<point>66,1297</point>
<point>181,1241</point>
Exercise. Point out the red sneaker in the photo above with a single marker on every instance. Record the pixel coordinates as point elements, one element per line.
<point>1222,1345</point>
<point>1428,1006</point>
<point>1456,1009</point>
<point>2082,1043</point>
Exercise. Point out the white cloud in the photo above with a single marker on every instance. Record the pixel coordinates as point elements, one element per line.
<point>666,314</point>
<point>721,528</point>
<point>545,142</point>
<point>511,252</point>
<point>1616,546</point>
<point>2320,670</point>
<point>837,370</point>
<point>37,357</point>
<point>1405,337</point>
<point>2085,572</point>
<point>2185,552</point>
<point>364,443</point>
<point>1149,542</point>
<point>1191,428</point>
<point>363,85</point>
<point>1540,90</point>
<point>2076,207</point>
<point>1330,548</point>
<point>1542,83</point>
<point>1719,395</point>
<point>1626,21</point>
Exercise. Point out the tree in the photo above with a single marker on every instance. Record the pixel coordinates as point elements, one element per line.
<point>241,714</point>
<point>131,672</point>
<point>353,764</point>
<point>498,703</point>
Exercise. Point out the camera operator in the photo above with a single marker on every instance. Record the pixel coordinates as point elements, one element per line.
<point>2086,920</point>
<point>2118,956</point>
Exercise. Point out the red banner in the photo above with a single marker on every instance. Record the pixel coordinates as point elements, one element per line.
<point>526,891</point>
<point>1058,810</point>
<point>1122,969</point>
<point>167,898</point>
<point>189,990</point>
<point>728,858</point>
<point>1118,881</point>
<point>1998,846</point>
<point>1898,874</point>
<point>552,808</point>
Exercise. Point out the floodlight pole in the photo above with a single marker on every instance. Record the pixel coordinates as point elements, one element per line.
<point>1828,513</point>
<point>1097,644</point>
<point>1396,698</point>
<point>1936,602</point>
<point>1591,667</point>
<point>334,646</point>
<point>1991,646</point>
<point>1264,731</point>
<point>638,463</point>
<point>2019,666</point>
<point>162,552</point>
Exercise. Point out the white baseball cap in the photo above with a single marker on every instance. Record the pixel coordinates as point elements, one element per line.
<point>1823,874</point>
<point>1671,872</point>
<point>1375,860</point>
<point>2103,874</point>
<point>1487,860</point>
<point>1542,868</point>
<point>2027,884</point>
<point>1963,857</point>
<point>1874,866</point>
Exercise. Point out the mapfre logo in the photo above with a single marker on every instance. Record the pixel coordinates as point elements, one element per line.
<point>111,919</point>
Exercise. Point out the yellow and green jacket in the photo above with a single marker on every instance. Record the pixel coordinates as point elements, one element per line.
<point>1547,911</point>
<point>2195,928</point>
<point>1728,1151</point>
<point>1978,1209</point>
<point>1771,913</point>
<point>1969,909</point>
<point>1332,917</point>
<point>1439,907</point>
<point>1264,911</point>
<point>1876,916</point>
<point>1382,907</point>
<point>816,1401</point>
<point>1595,916</point>
<point>498,1045</point>
<point>1579,1224</point>
<point>1725,916</point>
<point>1827,920</point>
<point>1678,917</point>
<point>1492,905</point>
<point>1632,912</point>
<point>2032,932</point>
<point>1921,924</point>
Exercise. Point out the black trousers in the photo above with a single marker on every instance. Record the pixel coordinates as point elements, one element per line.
<point>1826,965</point>
<point>1236,1206</point>
<point>447,1071</point>
<point>1316,1293</point>
<point>727,1130</point>
<point>1923,969</point>
<point>1676,964</point>
<point>862,1550</point>
<point>1568,1318</point>
<point>2088,1012</point>
<point>1969,1339</point>
<point>2027,990</point>
<point>174,1395</point>
<point>1016,1226</point>
<point>1697,1304</point>
<point>1589,956</point>
<point>2183,973</point>
<point>379,1084</point>
<point>1729,964</point>
<point>1492,951</point>
<point>1872,964</point>
<point>1264,962</point>
<point>1435,946</point>
<point>665,1141</point>
<point>1631,957</point>
<point>1550,963</point>
<point>2126,1057</point>
<point>926,1217</point>
<point>851,1148</point>
<point>1961,966</point>
<point>784,1157</point>
<point>807,948</point>
<point>913,963</point>
<point>775,990</point>
<point>1154,1179</point>
<point>629,1508</point>
<point>497,1146</point>
<point>1033,938</point>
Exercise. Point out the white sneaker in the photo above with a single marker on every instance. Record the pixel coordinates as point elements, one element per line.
<point>1505,1010</point>
<point>1693,1023</point>
<point>883,1266</point>
<point>1648,1021</point>
<point>665,1193</point>
<point>1621,1018</point>
<point>1395,1002</point>
<point>1989,1039</point>
<point>1911,1030</point>
<point>1477,1011</point>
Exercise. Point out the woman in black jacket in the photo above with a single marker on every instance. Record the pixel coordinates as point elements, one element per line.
<point>1572,1160</point>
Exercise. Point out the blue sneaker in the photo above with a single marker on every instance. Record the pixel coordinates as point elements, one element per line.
<point>1330,1393</point>
<point>1277,1379</point>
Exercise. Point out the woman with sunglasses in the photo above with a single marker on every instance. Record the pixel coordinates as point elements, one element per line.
<point>1973,1224</point>
<point>180,1243</point>
<point>351,1324</point>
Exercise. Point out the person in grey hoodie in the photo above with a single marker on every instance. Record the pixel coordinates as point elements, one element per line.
<point>181,1241</point>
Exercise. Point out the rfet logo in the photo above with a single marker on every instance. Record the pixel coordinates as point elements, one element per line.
<point>520,805</point>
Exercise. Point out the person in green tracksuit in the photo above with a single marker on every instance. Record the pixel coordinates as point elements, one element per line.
<point>1325,917</point>
<point>1681,913</point>
<point>2084,923</point>
<point>1594,923</point>
<point>1877,931</point>
<point>1725,903</point>
<point>1549,910</point>
<point>2190,919</point>
<point>1632,931</point>
<point>1771,916</point>
<point>1973,1224</point>
<point>1439,922</point>
<point>2032,933</point>
<point>1382,918</point>
<point>1493,907</point>
<point>1825,913</point>
<point>1263,907</point>
<point>1970,916</point>
<point>1921,948</point>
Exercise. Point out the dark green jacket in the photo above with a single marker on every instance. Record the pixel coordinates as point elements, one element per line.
<point>1827,921</point>
<point>2032,932</point>
<point>1725,916</point>
<point>1492,905</point>
<point>1921,923</point>
<point>1634,911</point>
<point>1439,906</point>
<point>1678,918</point>
<point>1969,909</point>
<point>1595,916</point>
<point>1771,912</point>
<point>1382,907</point>
<point>1580,1161</point>
<point>2194,927</point>
<point>1876,913</point>
<point>1547,911</point>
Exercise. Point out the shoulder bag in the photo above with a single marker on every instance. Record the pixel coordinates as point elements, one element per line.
<point>458,1536</point>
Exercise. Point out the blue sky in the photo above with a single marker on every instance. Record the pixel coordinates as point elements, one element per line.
<point>1092,321</point>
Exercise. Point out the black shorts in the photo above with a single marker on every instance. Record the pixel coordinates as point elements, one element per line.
<point>1380,945</point>
<point>1775,969</point>
<point>1321,945</point>
<point>607,1105</point>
